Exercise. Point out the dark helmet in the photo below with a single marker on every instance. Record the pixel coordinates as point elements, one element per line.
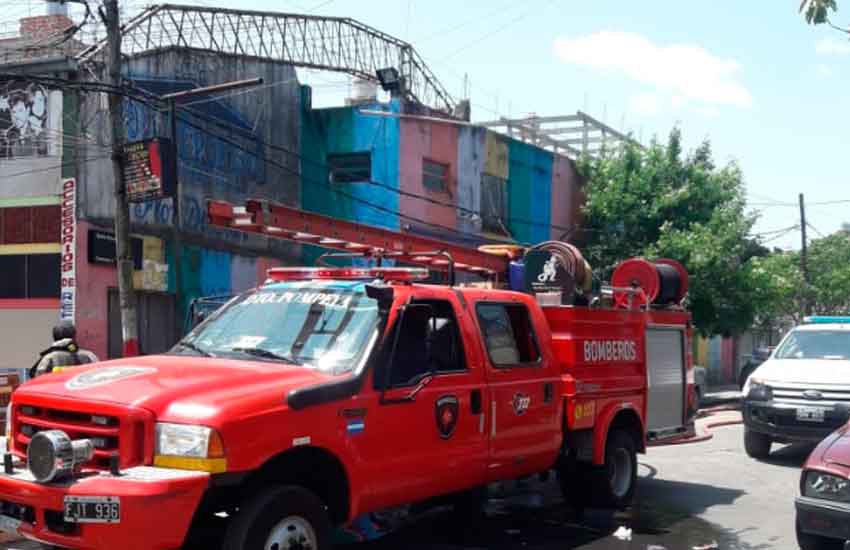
<point>65,329</point>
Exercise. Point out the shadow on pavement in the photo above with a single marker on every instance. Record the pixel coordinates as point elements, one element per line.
<point>533,515</point>
<point>791,456</point>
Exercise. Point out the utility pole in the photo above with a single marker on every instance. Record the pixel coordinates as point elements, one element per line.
<point>127,299</point>
<point>804,266</point>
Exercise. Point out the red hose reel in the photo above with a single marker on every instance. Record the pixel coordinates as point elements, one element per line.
<point>639,282</point>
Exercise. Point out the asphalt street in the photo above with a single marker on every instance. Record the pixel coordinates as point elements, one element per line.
<point>689,496</point>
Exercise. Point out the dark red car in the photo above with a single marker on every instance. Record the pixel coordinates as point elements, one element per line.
<point>823,508</point>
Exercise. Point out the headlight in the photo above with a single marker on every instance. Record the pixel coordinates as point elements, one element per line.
<point>51,455</point>
<point>189,447</point>
<point>756,390</point>
<point>826,486</point>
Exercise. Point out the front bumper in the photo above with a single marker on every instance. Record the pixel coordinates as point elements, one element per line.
<point>779,421</point>
<point>157,506</point>
<point>823,518</point>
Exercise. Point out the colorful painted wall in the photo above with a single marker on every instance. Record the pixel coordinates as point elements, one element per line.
<point>537,188</point>
<point>345,130</point>
<point>204,272</point>
<point>529,192</point>
<point>422,141</point>
<point>471,147</point>
<point>235,147</point>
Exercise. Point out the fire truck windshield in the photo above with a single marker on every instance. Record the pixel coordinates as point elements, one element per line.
<point>326,326</point>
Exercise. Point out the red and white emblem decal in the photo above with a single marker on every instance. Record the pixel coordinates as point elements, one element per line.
<point>521,402</point>
<point>447,410</point>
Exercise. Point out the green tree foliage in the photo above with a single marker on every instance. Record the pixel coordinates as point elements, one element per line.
<point>780,293</point>
<point>777,289</point>
<point>829,269</point>
<point>817,11</point>
<point>659,202</point>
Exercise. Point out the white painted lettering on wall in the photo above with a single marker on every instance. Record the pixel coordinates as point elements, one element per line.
<point>609,350</point>
<point>67,296</point>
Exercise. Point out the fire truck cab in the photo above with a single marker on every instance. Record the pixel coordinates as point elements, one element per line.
<point>328,394</point>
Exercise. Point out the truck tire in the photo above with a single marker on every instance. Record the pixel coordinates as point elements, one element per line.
<point>808,541</point>
<point>280,518</point>
<point>613,485</point>
<point>757,445</point>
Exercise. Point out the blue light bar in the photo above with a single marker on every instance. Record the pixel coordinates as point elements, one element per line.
<point>825,319</point>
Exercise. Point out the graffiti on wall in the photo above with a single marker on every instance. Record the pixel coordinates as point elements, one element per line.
<point>209,165</point>
<point>23,120</point>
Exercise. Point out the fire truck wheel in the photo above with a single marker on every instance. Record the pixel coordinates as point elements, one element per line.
<point>614,483</point>
<point>280,518</point>
<point>757,445</point>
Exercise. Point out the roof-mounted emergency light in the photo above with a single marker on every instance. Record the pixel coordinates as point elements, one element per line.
<point>825,319</point>
<point>397,274</point>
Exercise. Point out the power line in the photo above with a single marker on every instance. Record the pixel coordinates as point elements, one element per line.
<point>497,30</point>
<point>815,229</point>
<point>466,23</point>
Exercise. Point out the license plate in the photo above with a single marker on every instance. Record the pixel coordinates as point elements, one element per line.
<point>810,414</point>
<point>92,509</point>
<point>9,525</point>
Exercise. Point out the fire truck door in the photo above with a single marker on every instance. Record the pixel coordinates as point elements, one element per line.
<point>524,421</point>
<point>665,365</point>
<point>436,442</point>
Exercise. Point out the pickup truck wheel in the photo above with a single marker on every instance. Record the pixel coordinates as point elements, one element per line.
<point>614,484</point>
<point>280,518</point>
<point>808,541</point>
<point>757,445</point>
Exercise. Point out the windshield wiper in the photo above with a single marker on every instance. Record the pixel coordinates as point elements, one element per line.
<point>193,347</point>
<point>265,354</point>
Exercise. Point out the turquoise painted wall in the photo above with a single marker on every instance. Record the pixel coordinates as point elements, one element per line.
<point>529,192</point>
<point>345,130</point>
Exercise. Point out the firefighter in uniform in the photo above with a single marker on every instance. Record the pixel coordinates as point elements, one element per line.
<point>64,352</point>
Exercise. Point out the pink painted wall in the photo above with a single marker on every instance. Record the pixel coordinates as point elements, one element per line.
<point>437,142</point>
<point>93,283</point>
<point>566,197</point>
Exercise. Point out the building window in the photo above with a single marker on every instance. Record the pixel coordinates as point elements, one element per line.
<point>494,204</point>
<point>350,167</point>
<point>29,276</point>
<point>435,176</point>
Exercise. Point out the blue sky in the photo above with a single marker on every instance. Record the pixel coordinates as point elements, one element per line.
<point>767,89</point>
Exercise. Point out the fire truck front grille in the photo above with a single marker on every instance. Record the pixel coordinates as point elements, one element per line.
<point>808,395</point>
<point>109,434</point>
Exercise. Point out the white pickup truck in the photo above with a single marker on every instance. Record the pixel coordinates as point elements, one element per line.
<point>802,391</point>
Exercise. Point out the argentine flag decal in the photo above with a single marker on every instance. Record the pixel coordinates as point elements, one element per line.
<point>356,426</point>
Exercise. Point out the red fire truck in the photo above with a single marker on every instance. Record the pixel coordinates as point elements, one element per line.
<point>330,393</point>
